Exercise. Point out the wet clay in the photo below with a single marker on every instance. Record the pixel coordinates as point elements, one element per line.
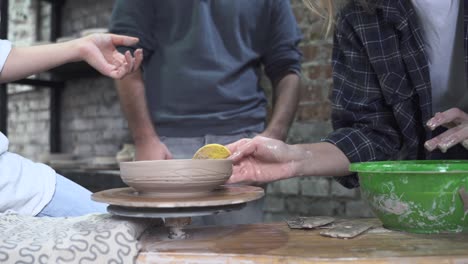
<point>175,178</point>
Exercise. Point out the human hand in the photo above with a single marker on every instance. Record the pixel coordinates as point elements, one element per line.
<point>260,160</point>
<point>152,150</point>
<point>457,123</point>
<point>99,51</point>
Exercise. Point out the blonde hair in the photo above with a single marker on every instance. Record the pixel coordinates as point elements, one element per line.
<point>324,9</point>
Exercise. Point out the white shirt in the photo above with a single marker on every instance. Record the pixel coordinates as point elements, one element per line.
<point>439,22</point>
<point>25,187</point>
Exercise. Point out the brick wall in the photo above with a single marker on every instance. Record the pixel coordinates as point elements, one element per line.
<point>28,107</point>
<point>22,18</point>
<point>92,123</point>
<point>84,14</point>
<point>29,122</point>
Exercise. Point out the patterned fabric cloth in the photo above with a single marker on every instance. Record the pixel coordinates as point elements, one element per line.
<point>382,91</point>
<point>96,238</point>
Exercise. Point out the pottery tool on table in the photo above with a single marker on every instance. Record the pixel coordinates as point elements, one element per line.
<point>309,222</point>
<point>336,228</point>
<point>347,229</point>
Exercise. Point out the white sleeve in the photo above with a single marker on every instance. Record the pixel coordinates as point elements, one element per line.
<point>5,48</point>
<point>3,143</point>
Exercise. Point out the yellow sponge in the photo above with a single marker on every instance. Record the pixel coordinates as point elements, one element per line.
<point>212,151</point>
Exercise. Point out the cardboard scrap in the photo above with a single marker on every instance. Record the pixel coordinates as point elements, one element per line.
<point>347,229</point>
<point>309,222</point>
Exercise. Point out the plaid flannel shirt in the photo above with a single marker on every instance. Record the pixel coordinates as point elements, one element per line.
<point>382,92</point>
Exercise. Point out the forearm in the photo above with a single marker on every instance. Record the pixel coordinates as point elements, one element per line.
<point>319,159</point>
<point>285,101</point>
<point>25,61</point>
<point>132,96</point>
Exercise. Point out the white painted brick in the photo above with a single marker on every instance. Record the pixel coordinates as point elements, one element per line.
<point>289,186</point>
<point>358,208</point>
<point>338,190</point>
<point>81,124</point>
<point>274,204</point>
<point>315,186</point>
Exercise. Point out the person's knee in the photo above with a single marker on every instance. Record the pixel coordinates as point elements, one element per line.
<point>71,199</point>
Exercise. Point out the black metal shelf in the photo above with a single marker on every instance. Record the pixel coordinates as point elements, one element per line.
<point>58,75</point>
<point>3,87</point>
<point>39,83</point>
<point>54,1</point>
<point>74,70</point>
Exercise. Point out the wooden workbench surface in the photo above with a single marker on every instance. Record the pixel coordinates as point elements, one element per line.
<point>276,243</point>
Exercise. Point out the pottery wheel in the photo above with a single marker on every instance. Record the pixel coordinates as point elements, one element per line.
<point>140,212</point>
<point>177,211</point>
<point>222,196</point>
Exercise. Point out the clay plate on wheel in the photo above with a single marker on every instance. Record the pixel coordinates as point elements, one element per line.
<point>175,178</point>
<point>223,195</point>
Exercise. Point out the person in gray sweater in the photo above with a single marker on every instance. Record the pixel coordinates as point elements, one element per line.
<point>199,81</point>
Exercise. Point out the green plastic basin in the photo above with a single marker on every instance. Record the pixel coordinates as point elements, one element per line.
<point>417,196</point>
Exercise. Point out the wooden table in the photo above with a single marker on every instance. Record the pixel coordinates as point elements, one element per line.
<point>276,243</point>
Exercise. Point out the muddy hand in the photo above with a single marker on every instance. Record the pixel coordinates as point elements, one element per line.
<point>457,123</point>
<point>260,160</point>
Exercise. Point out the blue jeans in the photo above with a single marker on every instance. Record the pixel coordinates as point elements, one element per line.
<point>71,199</point>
